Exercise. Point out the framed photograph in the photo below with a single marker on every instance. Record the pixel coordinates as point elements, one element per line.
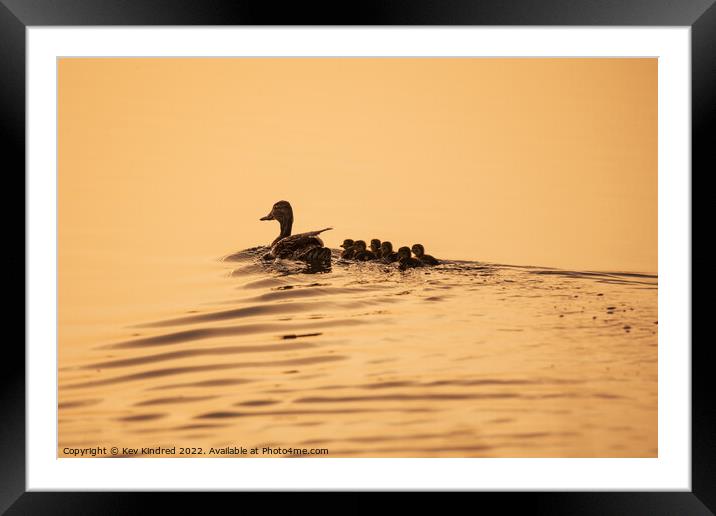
<point>425,248</point>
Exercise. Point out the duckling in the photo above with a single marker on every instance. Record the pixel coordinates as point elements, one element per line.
<point>407,261</point>
<point>375,247</point>
<point>419,252</point>
<point>318,259</point>
<point>387,254</point>
<point>361,254</point>
<point>348,250</point>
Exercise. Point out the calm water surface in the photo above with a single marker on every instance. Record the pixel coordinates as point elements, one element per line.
<point>466,359</point>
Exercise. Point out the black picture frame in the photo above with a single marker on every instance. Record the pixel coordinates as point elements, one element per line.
<point>17,15</point>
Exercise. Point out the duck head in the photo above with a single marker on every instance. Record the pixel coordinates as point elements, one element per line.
<point>418,250</point>
<point>404,252</point>
<point>359,245</point>
<point>375,245</point>
<point>283,213</point>
<point>347,243</point>
<point>386,248</point>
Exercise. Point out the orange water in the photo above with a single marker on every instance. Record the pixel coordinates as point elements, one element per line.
<point>466,359</point>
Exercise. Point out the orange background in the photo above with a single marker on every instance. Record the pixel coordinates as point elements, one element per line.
<point>527,161</point>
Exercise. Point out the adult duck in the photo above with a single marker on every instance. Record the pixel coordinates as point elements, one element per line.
<point>306,247</point>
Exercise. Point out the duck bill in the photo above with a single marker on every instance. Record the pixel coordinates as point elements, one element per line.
<point>268,217</point>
